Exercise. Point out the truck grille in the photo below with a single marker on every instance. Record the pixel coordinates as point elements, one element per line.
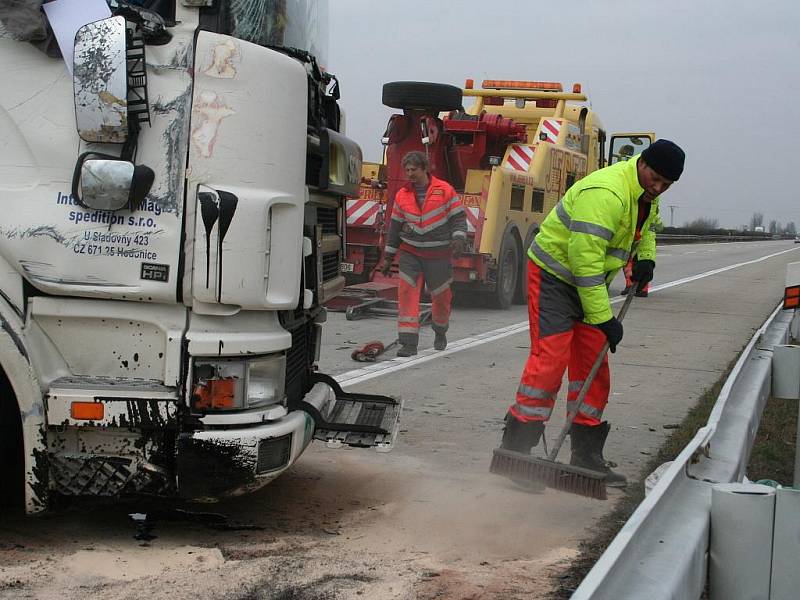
<point>329,219</point>
<point>330,266</point>
<point>298,361</point>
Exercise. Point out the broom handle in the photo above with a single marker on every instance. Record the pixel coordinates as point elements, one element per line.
<point>587,383</point>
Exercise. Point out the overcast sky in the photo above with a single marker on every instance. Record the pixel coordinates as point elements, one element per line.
<point>720,77</point>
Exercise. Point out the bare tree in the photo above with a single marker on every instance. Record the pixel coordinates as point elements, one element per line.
<point>790,229</point>
<point>757,220</point>
<point>773,226</point>
<point>702,225</point>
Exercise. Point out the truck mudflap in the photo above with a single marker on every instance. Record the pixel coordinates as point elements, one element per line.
<point>350,418</point>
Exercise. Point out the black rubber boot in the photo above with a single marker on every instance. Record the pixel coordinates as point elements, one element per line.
<point>641,294</point>
<point>587,451</point>
<point>521,437</point>
<point>625,291</point>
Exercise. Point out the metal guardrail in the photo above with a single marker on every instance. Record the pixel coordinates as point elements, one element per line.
<point>680,238</point>
<point>662,550</point>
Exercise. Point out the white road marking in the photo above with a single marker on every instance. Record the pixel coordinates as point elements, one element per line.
<point>397,364</point>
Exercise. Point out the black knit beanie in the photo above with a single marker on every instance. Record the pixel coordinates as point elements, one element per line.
<point>665,158</point>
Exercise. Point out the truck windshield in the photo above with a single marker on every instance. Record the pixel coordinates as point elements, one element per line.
<point>301,24</point>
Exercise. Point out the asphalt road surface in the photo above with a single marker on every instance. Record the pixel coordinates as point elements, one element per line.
<point>426,520</point>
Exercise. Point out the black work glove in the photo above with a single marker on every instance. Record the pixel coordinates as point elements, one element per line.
<point>458,245</point>
<point>642,273</point>
<point>613,330</point>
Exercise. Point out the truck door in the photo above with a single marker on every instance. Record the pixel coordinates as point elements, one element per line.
<point>625,145</point>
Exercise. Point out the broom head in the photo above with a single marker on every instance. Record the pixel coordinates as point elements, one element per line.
<point>565,478</point>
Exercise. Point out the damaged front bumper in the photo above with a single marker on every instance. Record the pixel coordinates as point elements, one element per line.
<point>216,463</point>
<point>229,456</point>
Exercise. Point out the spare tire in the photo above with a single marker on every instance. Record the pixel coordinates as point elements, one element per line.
<point>436,97</point>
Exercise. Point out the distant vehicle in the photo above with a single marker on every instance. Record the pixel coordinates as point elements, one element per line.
<point>758,229</point>
<point>797,239</point>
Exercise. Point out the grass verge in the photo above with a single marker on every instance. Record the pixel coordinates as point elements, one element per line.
<point>773,451</point>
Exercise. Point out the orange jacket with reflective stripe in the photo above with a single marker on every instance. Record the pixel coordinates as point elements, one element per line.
<point>426,231</point>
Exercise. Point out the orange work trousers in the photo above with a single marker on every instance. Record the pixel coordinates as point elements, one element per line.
<point>560,341</point>
<point>415,272</point>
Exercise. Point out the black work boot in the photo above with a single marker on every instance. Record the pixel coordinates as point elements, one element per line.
<point>408,344</point>
<point>587,451</point>
<point>521,437</point>
<point>440,341</point>
<point>407,350</point>
<point>625,291</point>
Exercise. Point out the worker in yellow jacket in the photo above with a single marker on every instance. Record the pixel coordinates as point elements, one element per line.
<point>581,245</point>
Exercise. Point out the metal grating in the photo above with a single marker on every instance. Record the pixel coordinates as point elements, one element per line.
<point>328,218</point>
<point>330,266</point>
<point>273,453</point>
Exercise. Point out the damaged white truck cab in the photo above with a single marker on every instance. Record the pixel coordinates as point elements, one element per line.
<point>164,262</point>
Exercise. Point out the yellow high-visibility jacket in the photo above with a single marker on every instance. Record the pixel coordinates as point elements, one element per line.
<point>587,237</point>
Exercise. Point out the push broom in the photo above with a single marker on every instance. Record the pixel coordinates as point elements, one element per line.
<point>553,474</point>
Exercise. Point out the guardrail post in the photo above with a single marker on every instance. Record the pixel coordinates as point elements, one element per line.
<point>740,552</point>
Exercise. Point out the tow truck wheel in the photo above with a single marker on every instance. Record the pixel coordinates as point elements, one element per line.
<point>436,97</point>
<point>507,273</point>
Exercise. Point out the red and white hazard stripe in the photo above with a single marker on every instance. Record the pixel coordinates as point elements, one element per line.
<point>362,212</point>
<point>473,218</point>
<point>550,130</point>
<point>519,157</point>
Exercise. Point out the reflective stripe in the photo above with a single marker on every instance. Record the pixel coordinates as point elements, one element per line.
<point>619,253</point>
<point>552,263</point>
<point>456,211</point>
<point>592,229</point>
<point>398,218</point>
<point>390,250</point>
<point>407,319</point>
<point>534,411</point>
<point>428,228</point>
<point>562,214</point>
<point>442,287</point>
<point>535,393</point>
<point>418,218</point>
<point>575,386</point>
<point>589,411</point>
<point>591,280</point>
<point>408,279</point>
<point>582,226</point>
<point>425,244</point>
<point>459,234</point>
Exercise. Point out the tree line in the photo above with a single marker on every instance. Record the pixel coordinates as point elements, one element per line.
<point>709,226</point>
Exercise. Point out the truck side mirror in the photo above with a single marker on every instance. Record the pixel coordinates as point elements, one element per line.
<point>100,81</point>
<point>110,184</point>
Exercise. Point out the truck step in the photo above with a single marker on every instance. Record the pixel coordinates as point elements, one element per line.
<point>352,419</point>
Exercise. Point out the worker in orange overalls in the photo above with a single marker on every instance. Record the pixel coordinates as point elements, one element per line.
<point>428,226</point>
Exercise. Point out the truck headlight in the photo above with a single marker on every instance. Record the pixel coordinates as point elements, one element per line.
<point>237,384</point>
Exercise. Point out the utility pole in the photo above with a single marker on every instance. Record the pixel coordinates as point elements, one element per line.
<point>672,208</point>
